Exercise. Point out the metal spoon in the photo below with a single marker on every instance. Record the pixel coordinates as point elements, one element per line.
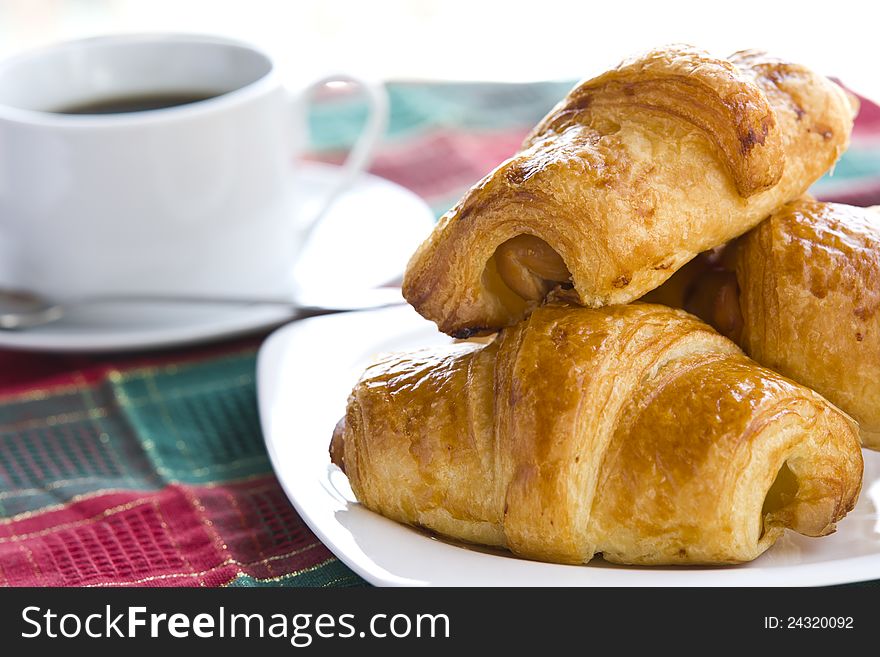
<point>23,309</point>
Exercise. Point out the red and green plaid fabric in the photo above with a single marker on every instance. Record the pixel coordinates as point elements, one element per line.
<point>150,469</point>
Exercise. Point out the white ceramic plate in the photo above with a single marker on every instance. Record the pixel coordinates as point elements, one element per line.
<point>304,374</point>
<point>382,224</point>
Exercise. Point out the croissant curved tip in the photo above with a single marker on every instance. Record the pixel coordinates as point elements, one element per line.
<point>337,445</point>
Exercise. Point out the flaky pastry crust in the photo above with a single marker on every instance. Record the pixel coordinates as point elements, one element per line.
<point>801,295</point>
<point>632,431</point>
<point>628,178</point>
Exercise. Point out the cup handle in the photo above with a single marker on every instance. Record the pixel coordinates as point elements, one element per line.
<point>361,153</point>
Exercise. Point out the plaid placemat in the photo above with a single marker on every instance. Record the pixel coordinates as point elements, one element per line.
<point>150,469</point>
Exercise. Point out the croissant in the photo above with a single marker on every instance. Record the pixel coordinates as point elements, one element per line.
<point>629,177</point>
<point>632,431</point>
<point>801,295</point>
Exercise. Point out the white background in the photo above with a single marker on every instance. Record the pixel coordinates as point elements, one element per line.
<point>474,39</point>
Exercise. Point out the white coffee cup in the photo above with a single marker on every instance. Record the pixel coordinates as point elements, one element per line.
<point>193,198</point>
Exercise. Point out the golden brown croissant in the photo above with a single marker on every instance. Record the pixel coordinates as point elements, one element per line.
<point>801,294</point>
<point>629,177</point>
<point>633,431</point>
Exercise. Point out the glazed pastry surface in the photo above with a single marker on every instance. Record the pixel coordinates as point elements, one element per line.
<point>626,179</point>
<point>803,293</point>
<point>633,431</point>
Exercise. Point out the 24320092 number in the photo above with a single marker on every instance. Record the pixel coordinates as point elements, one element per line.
<point>819,622</point>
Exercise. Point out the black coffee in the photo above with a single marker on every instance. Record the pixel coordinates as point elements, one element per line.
<point>135,103</point>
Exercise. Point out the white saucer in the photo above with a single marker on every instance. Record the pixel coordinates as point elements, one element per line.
<point>382,222</point>
<point>304,374</point>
